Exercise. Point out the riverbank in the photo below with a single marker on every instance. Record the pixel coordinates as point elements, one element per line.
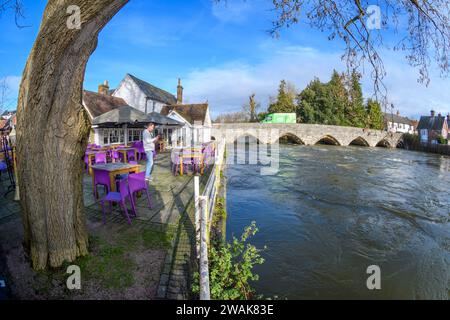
<point>412,143</point>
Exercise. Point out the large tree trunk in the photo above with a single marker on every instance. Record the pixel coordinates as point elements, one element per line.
<point>52,131</point>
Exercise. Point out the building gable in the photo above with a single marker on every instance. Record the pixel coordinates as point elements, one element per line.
<point>192,113</point>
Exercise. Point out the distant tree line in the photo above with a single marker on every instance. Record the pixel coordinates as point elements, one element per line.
<point>337,102</point>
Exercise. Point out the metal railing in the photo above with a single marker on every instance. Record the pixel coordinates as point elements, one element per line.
<point>204,210</point>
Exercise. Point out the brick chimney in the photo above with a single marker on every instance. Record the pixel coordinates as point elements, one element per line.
<point>104,88</point>
<point>179,93</point>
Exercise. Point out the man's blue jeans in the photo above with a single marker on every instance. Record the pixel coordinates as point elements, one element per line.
<point>149,167</point>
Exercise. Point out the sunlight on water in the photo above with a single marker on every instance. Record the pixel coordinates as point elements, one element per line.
<point>331,212</point>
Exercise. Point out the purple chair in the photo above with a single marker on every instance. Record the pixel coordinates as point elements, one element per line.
<point>187,160</point>
<point>86,162</point>
<point>115,155</point>
<point>131,155</point>
<point>175,162</point>
<point>120,198</point>
<point>140,150</point>
<point>100,158</point>
<point>197,162</point>
<point>137,183</point>
<point>101,178</point>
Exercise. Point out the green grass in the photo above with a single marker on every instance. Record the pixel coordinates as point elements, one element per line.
<point>110,263</point>
<point>154,239</point>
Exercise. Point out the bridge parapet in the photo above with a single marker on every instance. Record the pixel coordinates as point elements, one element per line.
<point>308,134</point>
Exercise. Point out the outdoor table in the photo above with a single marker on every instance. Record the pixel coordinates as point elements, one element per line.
<point>191,156</point>
<point>124,151</point>
<point>113,170</point>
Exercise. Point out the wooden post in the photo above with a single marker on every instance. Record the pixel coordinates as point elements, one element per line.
<point>197,214</point>
<point>204,268</point>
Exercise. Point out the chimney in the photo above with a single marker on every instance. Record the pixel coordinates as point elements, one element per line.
<point>104,88</point>
<point>179,93</point>
<point>432,113</point>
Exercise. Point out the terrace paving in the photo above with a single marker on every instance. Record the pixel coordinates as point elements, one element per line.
<point>172,198</point>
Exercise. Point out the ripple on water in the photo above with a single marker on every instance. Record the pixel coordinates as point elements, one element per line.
<point>332,211</point>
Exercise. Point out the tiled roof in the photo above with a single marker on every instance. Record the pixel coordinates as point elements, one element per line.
<point>124,114</point>
<point>431,123</point>
<point>153,92</point>
<point>98,104</point>
<point>191,112</point>
<point>396,118</point>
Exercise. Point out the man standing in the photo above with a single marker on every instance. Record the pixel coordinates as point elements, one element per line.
<point>149,147</point>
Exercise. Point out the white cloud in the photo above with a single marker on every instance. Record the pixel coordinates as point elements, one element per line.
<point>232,11</point>
<point>228,86</point>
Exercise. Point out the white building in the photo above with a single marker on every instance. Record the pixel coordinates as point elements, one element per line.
<point>397,123</point>
<point>142,95</point>
<point>197,128</point>
<point>147,98</point>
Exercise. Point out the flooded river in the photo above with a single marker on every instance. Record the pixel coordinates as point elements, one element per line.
<point>331,212</point>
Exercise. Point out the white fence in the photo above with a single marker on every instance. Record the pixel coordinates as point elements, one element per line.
<point>204,210</point>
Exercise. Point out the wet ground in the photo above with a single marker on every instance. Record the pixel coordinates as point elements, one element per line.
<point>149,259</point>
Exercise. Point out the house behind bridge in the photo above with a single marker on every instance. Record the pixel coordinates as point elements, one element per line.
<point>432,127</point>
<point>397,123</point>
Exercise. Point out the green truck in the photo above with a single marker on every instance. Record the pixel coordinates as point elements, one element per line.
<point>280,118</point>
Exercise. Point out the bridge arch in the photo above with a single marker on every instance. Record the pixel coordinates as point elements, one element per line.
<point>290,137</point>
<point>359,141</point>
<point>328,140</point>
<point>247,137</point>
<point>384,144</point>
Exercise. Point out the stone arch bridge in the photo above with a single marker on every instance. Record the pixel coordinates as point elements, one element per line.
<point>307,134</point>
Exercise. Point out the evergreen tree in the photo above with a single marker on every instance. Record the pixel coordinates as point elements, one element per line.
<point>374,115</point>
<point>285,102</point>
<point>356,110</point>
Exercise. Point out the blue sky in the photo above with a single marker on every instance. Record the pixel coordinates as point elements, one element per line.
<point>222,53</point>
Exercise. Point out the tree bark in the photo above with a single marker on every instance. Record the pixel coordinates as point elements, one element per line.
<point>52,132</point>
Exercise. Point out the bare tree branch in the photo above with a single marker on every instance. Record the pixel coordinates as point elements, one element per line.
<point>424,32</point>
<point>17,7</point>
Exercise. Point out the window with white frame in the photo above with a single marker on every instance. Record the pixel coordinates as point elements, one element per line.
<point>135,135</point>
<point>111,136</point>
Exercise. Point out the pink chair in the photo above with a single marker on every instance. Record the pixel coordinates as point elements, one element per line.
<point>120,198</point>
<point>137,183</point>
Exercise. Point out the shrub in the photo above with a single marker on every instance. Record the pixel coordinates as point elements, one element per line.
<point>231,268</point>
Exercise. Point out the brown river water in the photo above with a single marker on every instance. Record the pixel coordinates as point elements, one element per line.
<point>330,212</point>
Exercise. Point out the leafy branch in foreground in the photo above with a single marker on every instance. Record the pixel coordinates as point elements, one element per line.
<point>231,268</point>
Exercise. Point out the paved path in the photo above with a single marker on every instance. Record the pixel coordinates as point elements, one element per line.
<point>172,208</point>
